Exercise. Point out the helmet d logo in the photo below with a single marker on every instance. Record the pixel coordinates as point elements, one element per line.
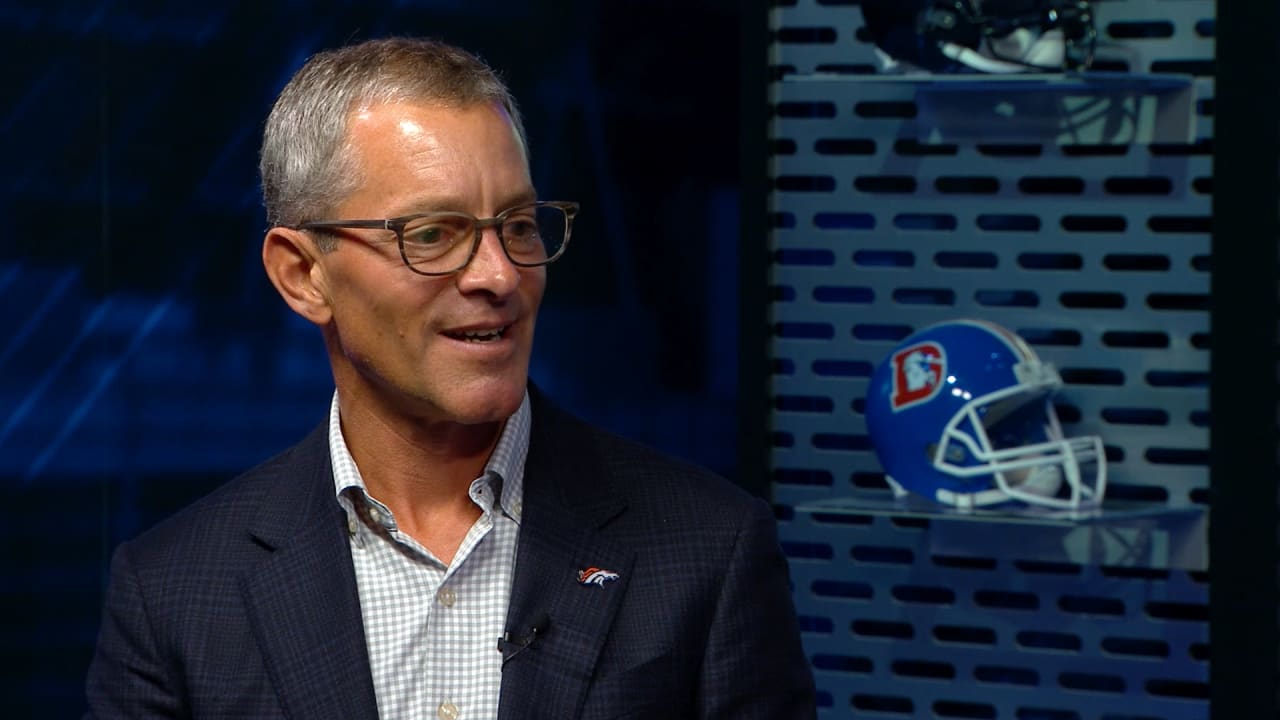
<point>917,374</point>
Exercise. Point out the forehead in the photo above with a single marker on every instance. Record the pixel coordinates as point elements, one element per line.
<point>424,124</point>
<point>411,152</point>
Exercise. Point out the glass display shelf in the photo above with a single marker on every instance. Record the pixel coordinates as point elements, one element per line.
<point>1089,108</point>
<point>1117,533</point>
<point>979,82</point>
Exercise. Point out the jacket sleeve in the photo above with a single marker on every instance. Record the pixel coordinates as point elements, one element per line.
<point>754,665</point>
<point>129,677</point>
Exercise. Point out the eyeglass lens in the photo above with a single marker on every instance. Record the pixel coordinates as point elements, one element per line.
<point>443,242</point>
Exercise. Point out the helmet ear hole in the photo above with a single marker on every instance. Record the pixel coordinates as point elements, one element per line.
<point>952,454</point>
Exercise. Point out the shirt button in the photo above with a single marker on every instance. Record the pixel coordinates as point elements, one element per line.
<point>447,596</point>
<point>447,711</point>
<point>375,515</point>
<point>351,525</point>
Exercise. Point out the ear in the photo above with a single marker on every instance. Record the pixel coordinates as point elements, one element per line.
<point>292,263</point>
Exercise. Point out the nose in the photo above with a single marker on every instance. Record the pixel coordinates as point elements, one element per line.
<point>490,270</point>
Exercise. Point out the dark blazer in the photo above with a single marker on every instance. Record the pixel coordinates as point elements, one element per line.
<point>244,605</point>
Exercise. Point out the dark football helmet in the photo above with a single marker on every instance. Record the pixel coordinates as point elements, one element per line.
<point>984,36</point>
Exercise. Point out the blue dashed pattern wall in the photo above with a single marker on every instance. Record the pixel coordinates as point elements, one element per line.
<point>1074,211</point>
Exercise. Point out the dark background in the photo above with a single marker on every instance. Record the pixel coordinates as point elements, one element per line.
<point>144,358</point>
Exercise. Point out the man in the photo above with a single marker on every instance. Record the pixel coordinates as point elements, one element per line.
<point>449,544</point>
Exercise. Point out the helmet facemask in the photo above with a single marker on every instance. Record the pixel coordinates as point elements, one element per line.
<point>1013,435</point>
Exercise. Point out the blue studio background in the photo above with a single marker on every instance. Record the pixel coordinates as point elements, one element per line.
<point>145,359</point>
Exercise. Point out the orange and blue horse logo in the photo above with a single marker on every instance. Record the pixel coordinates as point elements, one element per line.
<point>596,576</point>
<point>918,374</point>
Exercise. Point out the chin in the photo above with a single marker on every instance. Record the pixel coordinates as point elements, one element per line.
<point>487,403</point>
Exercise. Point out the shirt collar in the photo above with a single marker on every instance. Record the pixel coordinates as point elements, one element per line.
<point>504,469</point>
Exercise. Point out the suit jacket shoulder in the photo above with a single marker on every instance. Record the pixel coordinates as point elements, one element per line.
<point>241,605</point>
<point>276,488</point>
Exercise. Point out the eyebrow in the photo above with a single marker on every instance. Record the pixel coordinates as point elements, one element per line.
<point>453,204</point>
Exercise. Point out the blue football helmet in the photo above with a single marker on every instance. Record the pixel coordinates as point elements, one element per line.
<point>962,413</point>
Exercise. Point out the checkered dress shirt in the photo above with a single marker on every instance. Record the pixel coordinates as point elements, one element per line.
<point>432,629</point>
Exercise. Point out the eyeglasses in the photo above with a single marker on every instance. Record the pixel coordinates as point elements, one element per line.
<point>442,243</point>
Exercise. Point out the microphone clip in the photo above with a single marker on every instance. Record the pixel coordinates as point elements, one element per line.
<point>512,644</point>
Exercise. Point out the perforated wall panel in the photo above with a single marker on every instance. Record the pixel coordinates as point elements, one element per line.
<point>1073,212</point>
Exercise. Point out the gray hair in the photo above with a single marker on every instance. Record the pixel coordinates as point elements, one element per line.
<point>306,162</point>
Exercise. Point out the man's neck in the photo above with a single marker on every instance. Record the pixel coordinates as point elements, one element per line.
<point>420,470</point>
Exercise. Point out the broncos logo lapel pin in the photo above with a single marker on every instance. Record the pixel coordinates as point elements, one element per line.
<point>596,576</point>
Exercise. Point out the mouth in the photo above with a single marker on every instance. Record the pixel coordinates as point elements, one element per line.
<point>482,335</point>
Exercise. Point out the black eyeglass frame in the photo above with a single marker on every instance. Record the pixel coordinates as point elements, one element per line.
<point>398,224</point>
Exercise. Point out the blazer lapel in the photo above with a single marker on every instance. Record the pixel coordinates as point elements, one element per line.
<point>302,599</point>
<point>567,502</point>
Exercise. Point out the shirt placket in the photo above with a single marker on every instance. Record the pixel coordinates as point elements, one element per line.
<point>450,647</point>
